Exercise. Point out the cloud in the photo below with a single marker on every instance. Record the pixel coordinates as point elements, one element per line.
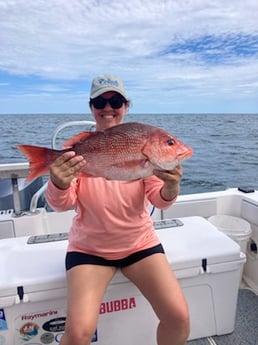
<point>193,45</point>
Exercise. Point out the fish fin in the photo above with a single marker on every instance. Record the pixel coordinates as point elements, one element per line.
<point>39,159</point>
<point>76,139</point>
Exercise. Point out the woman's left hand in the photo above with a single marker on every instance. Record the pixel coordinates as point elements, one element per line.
<point>171,180</point>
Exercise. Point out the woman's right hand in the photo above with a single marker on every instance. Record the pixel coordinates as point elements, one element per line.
<point>65,168</point>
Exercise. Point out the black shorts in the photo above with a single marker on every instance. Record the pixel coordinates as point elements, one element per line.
<point>78,258</point>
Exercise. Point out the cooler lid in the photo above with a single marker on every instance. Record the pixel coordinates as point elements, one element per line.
<point>35,266</point>
<point>41,266</point>
<point>196,239</point>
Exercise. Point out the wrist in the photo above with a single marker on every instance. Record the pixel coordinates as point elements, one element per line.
<point>169,194</point>
<point>59,185</point>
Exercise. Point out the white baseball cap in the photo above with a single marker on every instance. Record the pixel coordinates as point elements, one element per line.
<point>105,83</point>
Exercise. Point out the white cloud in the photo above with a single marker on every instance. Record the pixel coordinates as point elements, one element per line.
<point>75,40</point>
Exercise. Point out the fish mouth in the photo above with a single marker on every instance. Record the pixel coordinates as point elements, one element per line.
<point>185,155</point>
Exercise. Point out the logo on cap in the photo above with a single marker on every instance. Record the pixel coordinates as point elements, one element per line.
<point>108,81</point>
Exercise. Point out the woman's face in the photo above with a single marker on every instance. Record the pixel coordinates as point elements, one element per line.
<point>108,116</point>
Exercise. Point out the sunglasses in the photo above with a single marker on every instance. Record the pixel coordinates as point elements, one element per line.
<point>115,102</point>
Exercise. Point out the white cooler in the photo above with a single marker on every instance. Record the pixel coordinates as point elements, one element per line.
<point>33,289</point>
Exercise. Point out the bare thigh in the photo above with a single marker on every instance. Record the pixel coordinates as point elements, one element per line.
<point>86,285</point>
<point>157,282</point>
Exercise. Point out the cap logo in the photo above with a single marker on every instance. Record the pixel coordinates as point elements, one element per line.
<point>108,81</point>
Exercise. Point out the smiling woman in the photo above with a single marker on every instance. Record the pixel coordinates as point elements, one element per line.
<point>108,101</point>
<point>112,228</point>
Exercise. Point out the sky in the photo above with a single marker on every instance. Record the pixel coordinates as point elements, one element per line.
<point>177,56</point>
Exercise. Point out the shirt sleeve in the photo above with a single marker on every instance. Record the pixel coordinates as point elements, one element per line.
<point>61,199</point>
<point>153,186</point>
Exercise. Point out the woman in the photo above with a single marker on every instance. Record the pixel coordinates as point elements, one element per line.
<point>112,230</point>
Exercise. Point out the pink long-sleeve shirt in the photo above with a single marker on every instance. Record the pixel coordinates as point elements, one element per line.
<point>112,218</point>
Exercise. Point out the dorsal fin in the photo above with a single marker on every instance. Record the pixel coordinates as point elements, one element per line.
<point>76,139</point>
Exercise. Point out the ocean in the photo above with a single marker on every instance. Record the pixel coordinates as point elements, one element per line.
<point>225,145</point>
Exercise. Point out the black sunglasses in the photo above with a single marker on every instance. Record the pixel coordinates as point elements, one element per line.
<point>115,101</point>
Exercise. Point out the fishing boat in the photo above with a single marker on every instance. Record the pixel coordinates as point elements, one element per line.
<point>210,239</point>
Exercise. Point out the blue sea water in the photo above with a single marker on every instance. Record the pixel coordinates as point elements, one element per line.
<point>225,145</point>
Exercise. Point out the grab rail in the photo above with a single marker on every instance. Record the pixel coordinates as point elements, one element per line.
<point>36,196</point>
<point>91,124</point>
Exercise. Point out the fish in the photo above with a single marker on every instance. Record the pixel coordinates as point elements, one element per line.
<point>125,152</point>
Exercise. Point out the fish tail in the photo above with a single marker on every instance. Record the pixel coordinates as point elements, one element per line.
<point>39,159</point>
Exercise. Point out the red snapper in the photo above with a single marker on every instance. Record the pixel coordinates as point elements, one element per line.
<point>128,151</point>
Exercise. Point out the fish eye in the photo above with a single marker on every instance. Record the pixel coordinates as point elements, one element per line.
<point>171,141</point>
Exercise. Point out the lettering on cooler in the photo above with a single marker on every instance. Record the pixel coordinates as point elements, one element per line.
<point>55,325</point>
<point>39,315</point>
<point>117,305</point>
<point>3,323</point>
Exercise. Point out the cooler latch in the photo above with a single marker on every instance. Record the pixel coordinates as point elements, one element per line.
<point>21,296</point>
<point>204,265</point>
<point>205,268</point>
<point>20,292</point>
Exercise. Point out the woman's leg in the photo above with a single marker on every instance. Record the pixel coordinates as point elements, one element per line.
<point>86,285</point>
<point>155,279</point>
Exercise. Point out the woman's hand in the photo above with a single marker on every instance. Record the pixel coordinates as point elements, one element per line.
<point>65,168</point>
<point>171,180</point>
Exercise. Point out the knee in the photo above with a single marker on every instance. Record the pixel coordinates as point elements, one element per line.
<point>178,324</point>
<point>183,323</point>
<point>78,336</point>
